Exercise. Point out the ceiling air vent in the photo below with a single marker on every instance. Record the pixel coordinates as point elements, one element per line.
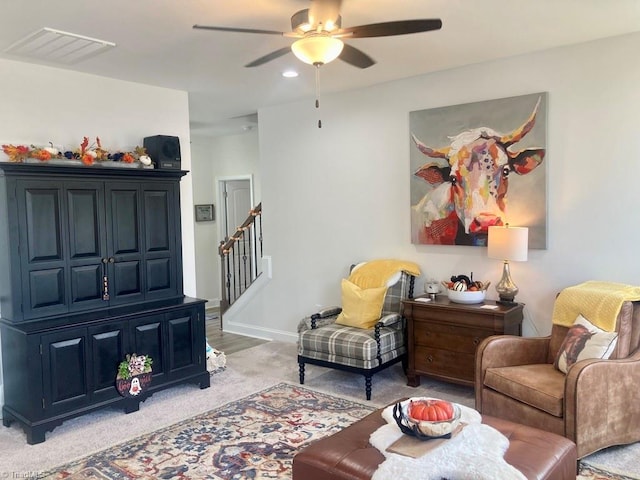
<point>53,45</point>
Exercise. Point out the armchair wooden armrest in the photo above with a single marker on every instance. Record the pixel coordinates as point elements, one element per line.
<point>324,313</point>
<point>325,316</point>
<point>390,319</point>
<point>327,312</point>
<point>602,403</point>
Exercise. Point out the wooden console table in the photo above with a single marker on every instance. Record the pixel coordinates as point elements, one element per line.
<point>442,336</point>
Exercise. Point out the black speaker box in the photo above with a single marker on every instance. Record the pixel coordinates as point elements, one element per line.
<point>164,150</point>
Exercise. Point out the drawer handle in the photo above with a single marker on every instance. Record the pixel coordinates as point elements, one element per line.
<point>430,359</point>
<point>476,341</point>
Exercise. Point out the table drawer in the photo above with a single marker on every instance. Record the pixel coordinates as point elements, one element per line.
<point>444,362</point>
<point>448,337</point>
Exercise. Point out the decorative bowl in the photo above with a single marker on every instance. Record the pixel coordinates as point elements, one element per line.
<point>424,429</point>
<point>467,296</point>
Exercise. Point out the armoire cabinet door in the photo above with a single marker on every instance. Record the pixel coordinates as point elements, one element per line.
<point>44,269</point>
<point>64,370</point>
<point>148,338</point>
<point>186,346</point>
<point>124,243</point>
<point>160,240</point>
<point>87,244</point>
<point>107,347</point>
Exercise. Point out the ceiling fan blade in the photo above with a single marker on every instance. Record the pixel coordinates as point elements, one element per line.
<point>269,57</point>
<point>387,29</point>
<point>356,57</point>
<point>239,30</point>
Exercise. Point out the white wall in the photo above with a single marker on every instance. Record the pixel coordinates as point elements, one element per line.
<point>42,104</point>
<point>340,194</point>
<point>212,159</point>
<point>205,233</point>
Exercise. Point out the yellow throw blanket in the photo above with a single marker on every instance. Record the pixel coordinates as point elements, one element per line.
<point>598,302</point>
<point>377,273</point>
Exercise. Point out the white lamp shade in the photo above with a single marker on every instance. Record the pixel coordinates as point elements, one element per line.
<point>317,49</point>
<point>508,243</point>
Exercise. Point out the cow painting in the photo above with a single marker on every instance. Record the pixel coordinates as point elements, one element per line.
<point>469,181</point>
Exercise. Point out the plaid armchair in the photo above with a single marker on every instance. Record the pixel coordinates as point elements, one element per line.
<point>366,351</point>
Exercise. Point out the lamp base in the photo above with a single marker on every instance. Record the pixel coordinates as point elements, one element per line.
<point>507,290</point>
<point>507,303</point>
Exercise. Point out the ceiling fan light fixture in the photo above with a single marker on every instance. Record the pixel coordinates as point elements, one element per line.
<point>317,49</point>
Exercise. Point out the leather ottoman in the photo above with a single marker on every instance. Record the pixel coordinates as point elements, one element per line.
<point>347,455</point>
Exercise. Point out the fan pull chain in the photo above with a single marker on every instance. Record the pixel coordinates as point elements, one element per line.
<point>317,65</point>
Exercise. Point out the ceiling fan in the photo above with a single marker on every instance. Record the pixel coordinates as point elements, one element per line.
<point>319,32</point>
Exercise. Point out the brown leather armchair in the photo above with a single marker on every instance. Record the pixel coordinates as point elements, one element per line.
<point>596,404</point>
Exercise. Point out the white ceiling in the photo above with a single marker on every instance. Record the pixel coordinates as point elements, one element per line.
<point>155,43</point>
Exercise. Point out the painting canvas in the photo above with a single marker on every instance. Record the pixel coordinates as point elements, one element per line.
<point>476,165</point>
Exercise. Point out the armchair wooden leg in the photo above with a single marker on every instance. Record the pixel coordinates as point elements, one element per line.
<point>301,372</point>
<point>367,386</point>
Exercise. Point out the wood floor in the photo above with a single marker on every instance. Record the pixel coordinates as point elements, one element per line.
<point>224,341</point>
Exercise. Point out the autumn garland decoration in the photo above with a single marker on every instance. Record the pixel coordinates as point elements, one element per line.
<point>87,153</point>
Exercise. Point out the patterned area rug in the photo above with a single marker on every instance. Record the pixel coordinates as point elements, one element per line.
<point>587,472</point>
<point>253,438</point>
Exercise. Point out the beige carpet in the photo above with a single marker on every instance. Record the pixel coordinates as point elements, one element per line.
<point>247,371</point>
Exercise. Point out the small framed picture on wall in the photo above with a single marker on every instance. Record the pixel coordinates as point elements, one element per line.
<point>205,213</point>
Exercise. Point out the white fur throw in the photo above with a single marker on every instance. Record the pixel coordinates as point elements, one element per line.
<point>474,453</point>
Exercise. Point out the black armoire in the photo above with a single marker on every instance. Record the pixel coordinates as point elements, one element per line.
<point>91,270</point>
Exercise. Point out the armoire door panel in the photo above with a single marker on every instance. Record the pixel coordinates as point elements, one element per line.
<point>125,222</point>
<point>159,274</point>
<point>65,369</point>
<point>86,283</point>
<point>181,343</point>
<point>47,288</point>
<point>107,351</point>
<point>185,344</point>
<point>147,338</point>
<point>44,232</point>
<point>125,279</point>
<point>156,214</point>
<point>84,223</point>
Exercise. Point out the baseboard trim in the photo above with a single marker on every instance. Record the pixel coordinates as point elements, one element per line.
<point>230,318</point>
<point>259,332</point>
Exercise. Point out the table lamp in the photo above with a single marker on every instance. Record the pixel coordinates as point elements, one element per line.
<point>507,244</point>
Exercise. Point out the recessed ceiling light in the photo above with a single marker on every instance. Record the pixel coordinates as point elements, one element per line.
<point>289,74</point>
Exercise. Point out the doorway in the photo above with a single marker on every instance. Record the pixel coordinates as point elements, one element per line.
<point>236,200</point>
